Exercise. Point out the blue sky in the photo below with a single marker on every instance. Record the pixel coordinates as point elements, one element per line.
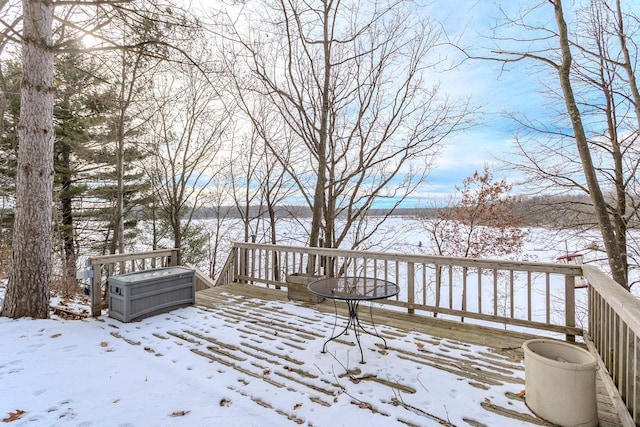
<point>496,91</point>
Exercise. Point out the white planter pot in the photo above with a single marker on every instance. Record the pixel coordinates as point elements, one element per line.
<point>560,382</point>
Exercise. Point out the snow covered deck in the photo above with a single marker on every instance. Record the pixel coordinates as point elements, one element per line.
<point>434,372</point>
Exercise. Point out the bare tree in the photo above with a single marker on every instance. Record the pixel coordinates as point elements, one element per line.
<point>350,83</point>
<point>588,66</point>
<point>245,161</point>
<point>186,133</point>
<point>219,222</point>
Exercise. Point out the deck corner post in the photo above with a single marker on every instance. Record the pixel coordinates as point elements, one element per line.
<point>173,258</point>
<point>96,289</point>
<point>570,307</point>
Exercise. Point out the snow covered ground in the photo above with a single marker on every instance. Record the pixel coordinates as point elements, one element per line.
<point>101,372</point>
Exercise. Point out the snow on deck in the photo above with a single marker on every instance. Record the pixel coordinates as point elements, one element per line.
<point>249,358</point>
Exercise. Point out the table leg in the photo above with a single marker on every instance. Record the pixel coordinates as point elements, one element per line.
<point>354,321</point>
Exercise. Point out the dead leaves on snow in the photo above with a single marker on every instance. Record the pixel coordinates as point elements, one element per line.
<point>105,345</point>
<point>223,403</point>
<point>14,416</point>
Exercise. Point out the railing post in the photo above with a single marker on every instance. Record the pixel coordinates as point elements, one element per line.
<point>570,304</point>
<point>96,290</point>
<point>244,259</point>
<point>173,258</point>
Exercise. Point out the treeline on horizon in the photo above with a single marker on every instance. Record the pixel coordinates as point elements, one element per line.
<point>553,211</point>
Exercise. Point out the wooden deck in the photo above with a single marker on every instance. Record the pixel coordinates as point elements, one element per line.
<point>485,359</point>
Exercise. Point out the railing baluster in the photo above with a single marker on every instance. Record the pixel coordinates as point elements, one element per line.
<point>411,287</point>
<point>450,286</point>
<point>424,283</point>
<point>438,284</point>
<point>464,291</point>
<point>511,295</point>
<point>547,297</point>
<point>495,292</point>
<point>479,289</point>
<point>529,285</point>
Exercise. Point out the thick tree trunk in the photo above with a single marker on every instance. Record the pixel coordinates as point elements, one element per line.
<point>29,280</point>
<point>321,173</point>
<point>615,256</point>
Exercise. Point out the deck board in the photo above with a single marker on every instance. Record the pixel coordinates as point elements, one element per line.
<point>444,345</point>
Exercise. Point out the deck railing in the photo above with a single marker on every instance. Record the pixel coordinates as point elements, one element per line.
<point>523,294</point>
<point>614,328</point>
<point>100,268</point>
<point>541,296</point>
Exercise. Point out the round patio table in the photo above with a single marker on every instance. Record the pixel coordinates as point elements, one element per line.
<point>353,290</point>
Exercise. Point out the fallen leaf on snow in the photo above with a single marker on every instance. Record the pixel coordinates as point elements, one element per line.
<point>13,416</point>
<point>266,372</point>
<point>365,405</point>
<point>420,345</point>
<point>521,394</point>
<point>179,413</point>
<point>225,402</point>
<point>55,335</point>
<point>296,406</point>
<point>104,344</point>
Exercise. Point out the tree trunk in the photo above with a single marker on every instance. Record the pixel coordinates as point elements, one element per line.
<point>321,173</point>
<point>30,277</point>
<point>627,64</point>
<point>118,225</point>
<point>66,206</point>
<point>614,254</point>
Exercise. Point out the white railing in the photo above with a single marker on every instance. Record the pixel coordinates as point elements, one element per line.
<point>524,294</point>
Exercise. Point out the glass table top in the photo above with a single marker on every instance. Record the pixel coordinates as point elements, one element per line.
<point>353,288</point>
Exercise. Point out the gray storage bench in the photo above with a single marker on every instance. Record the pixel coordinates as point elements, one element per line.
<point>145,292</point>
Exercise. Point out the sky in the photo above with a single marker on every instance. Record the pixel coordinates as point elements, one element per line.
<point>497,91</point>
